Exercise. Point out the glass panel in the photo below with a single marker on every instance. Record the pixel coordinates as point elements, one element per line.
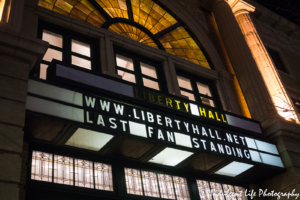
<point>241,192</point>
<point>189,95</point>
<point>152,16</point>
<point>151,84</point>
<point>43,71</point>
<point>127,76</point>
<point>103,177</point>
<point>229,192</point>
<point>267,147</point>
<point>203,89</point>
<point>52,54</point>
<point>133,181</point>
<point>81,62</point>
<point>150,184</point>
<point>216,191</point>
<point>41,166</point>
<point>84,173</point>
<point>52,38</point>
<point>124,62</point>
<point>115,8</point>
<point>204,190</point>
<point>181,188</point>
<point>184,83</point>
<point>148,70</point>
<point>81,48</point>
<point>180,43</point>
<point>63,170</point>
<point>166,186</point>
<point>207,101</point>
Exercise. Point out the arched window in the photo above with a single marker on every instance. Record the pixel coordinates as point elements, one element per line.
<point>145,21</point>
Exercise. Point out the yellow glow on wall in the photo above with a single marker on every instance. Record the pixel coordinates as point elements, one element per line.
<point>266,67</point>
<point>2,2</point>
<point>4,10</point>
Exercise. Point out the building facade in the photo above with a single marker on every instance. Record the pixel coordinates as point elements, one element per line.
<point>145,99</point>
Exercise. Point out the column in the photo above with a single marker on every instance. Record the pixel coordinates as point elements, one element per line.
<point>265,65</point>
<point>250,79</point>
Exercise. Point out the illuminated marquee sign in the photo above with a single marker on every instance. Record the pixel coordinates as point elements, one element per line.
<point>180,105</point>
<point>119,117</point>
<point>115,117</point>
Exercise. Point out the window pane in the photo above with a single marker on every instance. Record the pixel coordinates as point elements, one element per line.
<point>52,54</point>
<point>241,191</point>
<point>189,95</point>
<point>52,38</point>
<point>81,62</point>
<point>103,177</point>
<point>133,181</point>
<point>150,184</point>
<point>81,48</point>
<point>166,186</point>
<point>43,71</point>
<point>41,166</point>
<point>184,83</point>
<point>127,76</point>
<point>229,192</point>
<point>151,84</point>
<point>148,70</point>
<point>204,190</point>
<point>63,170</point>
<point>203,89</point>
<point>216,191</point>
<point>207,101</point>
<point>124,62</point>
<point>84,173</point>
<point>181,188</point>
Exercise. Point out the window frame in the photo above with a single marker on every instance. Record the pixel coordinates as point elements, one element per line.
<point>137,59</point>
<point>283,68</point>
<point>193,80</point>
<point>67,37</point>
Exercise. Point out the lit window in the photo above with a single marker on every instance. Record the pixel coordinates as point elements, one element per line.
<point>241,192</point>
<point>133,70</point>
<point>150,184</point>
<point>84,173</point>
<point>216,191</point>
<point>156,185</point>
<point>166,186</point>
<point>196,90</point>
<point>63,47</point>
<point>103,177</point>
<point>133,181</point>
<point>5,6</point>
<point>181,188</point>
<point>41,166</point>
<point>204,190</point>
<point>63,170</point>
<point>228,192</point>
<point>211,190</point>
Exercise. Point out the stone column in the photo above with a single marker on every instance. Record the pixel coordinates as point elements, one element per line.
<point>265,65</point>
<point>252,84</point>
<point>20,50</point>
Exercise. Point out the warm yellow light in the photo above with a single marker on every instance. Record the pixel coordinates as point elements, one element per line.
<point>267,68</point>
<point>2,2</point>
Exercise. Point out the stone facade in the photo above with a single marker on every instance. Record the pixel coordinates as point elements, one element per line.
<point>237,77</point>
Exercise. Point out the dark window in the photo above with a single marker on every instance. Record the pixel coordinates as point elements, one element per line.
<point>68,47</point>
<point>198,89</point>
<point>137,70</point>
<point>275,56</point>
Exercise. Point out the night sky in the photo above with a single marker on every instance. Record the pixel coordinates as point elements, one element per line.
<point>290,9</point>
